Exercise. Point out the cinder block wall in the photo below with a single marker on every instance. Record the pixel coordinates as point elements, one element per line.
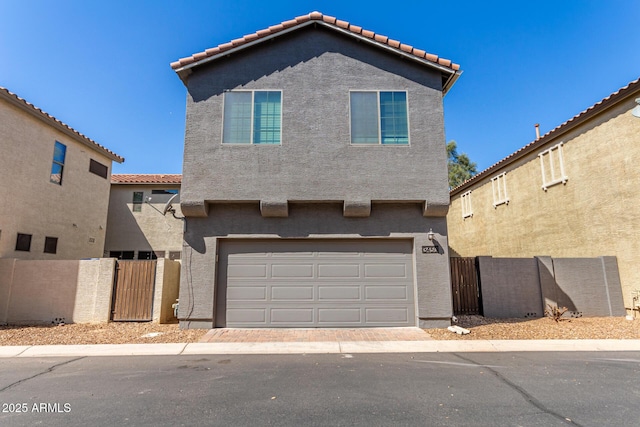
<point>36,291</point>
<point>510,287</point>
<point>523,287</point>
<point>166,290</point>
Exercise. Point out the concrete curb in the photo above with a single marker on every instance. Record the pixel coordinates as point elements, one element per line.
<point>333,347</point>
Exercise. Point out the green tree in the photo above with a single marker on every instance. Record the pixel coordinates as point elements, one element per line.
<point>461,168</point>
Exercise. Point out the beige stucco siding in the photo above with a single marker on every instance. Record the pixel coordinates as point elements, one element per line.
<point>147,230</point>
<point>595,213</point>
<point>74,212</point>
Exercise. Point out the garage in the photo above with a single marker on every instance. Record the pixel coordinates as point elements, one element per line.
<point>315,283</point>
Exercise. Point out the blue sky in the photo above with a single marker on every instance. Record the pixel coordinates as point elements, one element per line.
<point>103,67</point>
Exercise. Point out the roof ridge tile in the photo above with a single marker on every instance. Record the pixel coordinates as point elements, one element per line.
<point>315,16</point>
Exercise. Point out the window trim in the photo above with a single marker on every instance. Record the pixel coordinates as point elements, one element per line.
<point>252,91</point>
<point>466,206</point>
<point>499,188</point>
<point>563,178</point>
<point>379,143</point>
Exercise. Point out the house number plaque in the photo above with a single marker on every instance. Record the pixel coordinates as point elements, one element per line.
<point>430,250</point>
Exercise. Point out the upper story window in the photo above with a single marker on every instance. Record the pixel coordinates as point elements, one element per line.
<point>552,166</point>
<point>137,201</point>
<point>499,187</point>
<point>59,154</point>
<point>467,209</point>
<point>98,169</point>
<point>23,242</point>
<point>379,117</point>
<point>50,245</point>
<point>252,117</point>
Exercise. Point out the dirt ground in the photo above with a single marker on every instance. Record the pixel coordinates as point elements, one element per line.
<point>480,327</point>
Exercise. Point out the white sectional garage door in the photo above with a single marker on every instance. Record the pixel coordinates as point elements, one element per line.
<point>315,283</point>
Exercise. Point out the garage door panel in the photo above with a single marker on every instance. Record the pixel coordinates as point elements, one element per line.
<point>339,315</point>
<point>246,316</point>
<point>387,293</point>
<point>339,293</point>
<point>292,293</point>
<point>289,255</point>
<point>247,293</point>
<point>339,270</point>
<point>292,270</point>
<point>385,270</point>
<point>288,316</point>
<point>247,270</point>
<point>387,315</point>
<point>338,254</point>
<point>316,283</point>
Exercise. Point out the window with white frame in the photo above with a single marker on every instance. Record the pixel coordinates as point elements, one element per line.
<point>252,117</point>
<point>499,188</point>
<point>467,209</point>
<point>552,167</point>
<point>379,117</point>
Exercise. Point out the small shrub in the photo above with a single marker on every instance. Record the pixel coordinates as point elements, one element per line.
<point>555,312</point>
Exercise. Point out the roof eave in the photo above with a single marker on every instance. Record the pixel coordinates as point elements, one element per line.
<point>185,70</point>
<point>554,134</point>
<point>40,115</point>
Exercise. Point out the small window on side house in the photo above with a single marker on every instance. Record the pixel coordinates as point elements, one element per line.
<point>379,118</point>
<point>147,255</point>
<point>98,169</point>
<point>175,255</point>
<point>137,201</point>
<point>467,210</point>
<point>23,242</point>
<point>57,166</point>
<point>552,167</point>
<point>121,254</point>
<point>499,187</point>
<point>252,117</point>
<point>163,191</point>
<point>50,245</point>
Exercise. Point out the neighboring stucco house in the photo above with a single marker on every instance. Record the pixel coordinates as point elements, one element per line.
<point>55,188</point>
<point>314,170</point>
<point>137,227</point>
<point>571,193</point>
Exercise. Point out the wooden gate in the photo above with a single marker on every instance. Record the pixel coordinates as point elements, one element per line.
<point>133,291</point>
<point>465,286</point>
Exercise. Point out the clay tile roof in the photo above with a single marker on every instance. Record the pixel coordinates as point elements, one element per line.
<point>118,178</point>
<point>631,89</point>
<point>47,118</point>
<point>406,48</point>
<point>393,43</point>
<point>325,20</point>
<point>329,19</point>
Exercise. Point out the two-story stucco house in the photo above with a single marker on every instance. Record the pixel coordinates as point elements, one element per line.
<point>55,190</point>
<point>315,180</point>
<point>571,193</point>
<point>137,226</point>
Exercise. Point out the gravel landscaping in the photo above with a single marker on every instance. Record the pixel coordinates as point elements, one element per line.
<point>480,327</point>
<point>542,329</point>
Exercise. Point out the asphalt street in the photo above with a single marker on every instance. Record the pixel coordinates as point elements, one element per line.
<point>433,389</point>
